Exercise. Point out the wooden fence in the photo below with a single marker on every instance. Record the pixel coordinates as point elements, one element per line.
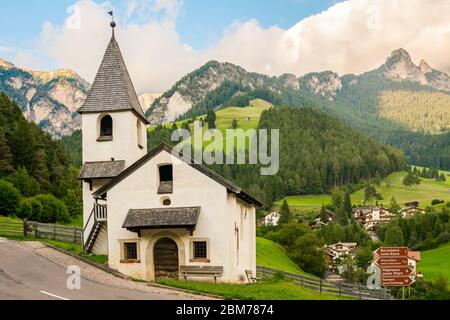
<point>342,289</point>
<point>52,232</point>
<point>11,227</point>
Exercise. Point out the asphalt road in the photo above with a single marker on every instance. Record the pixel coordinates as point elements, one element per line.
<point>25,275</point>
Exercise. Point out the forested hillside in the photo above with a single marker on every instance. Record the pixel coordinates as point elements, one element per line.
<point>419,111</point>
<point>33,167</point>
<point>317,153</point>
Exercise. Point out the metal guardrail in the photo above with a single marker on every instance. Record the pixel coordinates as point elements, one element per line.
<point>322,286</point>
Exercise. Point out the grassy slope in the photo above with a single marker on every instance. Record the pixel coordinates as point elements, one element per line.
<point>272,255</point>
<point>391,186</point>
<point>248,118</point>
<point>282,290</point>
<point>435,262</point>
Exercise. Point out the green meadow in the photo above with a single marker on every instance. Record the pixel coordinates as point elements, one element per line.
<point>435,262</point>
<point>425,193</point>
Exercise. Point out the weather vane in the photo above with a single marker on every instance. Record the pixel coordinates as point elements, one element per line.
<point>113,23</point>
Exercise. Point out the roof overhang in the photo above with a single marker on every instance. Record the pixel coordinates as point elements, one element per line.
<point>101,170</point>
<point>162,218</point>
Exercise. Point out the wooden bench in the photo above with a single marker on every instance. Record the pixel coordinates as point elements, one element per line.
<point>201,271</point>
<point>251,277</point>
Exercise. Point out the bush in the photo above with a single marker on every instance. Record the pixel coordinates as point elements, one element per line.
<point>436,202</point>
<point>45,209</point>
<point>9,198</point>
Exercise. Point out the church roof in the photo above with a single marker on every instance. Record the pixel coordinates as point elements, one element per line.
<point>231,187</point>
<point>113,90</point>
<point>161,218</point>
<point>101,170</point>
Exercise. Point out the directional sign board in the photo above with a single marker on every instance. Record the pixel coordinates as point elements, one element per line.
<point>397,272</point>
<point>392,252</point>
<point>392,262</point>
<point>397,282</point>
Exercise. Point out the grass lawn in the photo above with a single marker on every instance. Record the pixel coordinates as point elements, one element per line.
<point>76,221</point>
<point>435,262</point>
<point>307,203</point>
<point>268,290</point>
<point>425,193</point>
<point>270,254</point>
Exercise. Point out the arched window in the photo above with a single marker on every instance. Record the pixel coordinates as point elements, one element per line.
<point>106,127</point>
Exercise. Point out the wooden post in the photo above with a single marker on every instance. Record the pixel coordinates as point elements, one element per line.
<point>403,293</point>
<point>54,232</point>
<point>36,231</point>
<point>74,235</point>
<point>360,296</point>
<point>25,231</point>
<point>320,284</point>
<point>340,288</point>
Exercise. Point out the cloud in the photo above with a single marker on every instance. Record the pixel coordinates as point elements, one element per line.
<point>350,37</point>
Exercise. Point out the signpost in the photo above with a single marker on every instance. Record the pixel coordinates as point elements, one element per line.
<point>392,252</point>
<point>394,267</point>
<point>397,272</point>
<point>392,262</point>
<point>397,281</point>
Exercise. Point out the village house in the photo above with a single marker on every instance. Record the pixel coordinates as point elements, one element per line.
<point>155,213</point>
<point>339,251</point>
<point>372,216</point>
<point>318,223</point>
<point>271,220</point>
<point>411,212</point>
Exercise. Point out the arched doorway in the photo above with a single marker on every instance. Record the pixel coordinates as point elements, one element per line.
<point>165,257</point>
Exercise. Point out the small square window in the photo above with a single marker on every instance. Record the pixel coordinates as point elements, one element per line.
<point>130,251</point>
<point>200,250</point>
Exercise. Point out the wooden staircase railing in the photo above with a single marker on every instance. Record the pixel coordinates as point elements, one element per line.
<point>98,217</point>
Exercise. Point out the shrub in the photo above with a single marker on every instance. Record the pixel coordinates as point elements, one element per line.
<point>436,202</point>
<point>30,209</point>
<point>73,203</point>
<point>46,209</point>
<point>9,198</point>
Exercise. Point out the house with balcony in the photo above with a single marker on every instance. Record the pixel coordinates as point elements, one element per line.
<point>159,212</point>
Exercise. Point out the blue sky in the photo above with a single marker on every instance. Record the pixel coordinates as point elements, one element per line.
<point>200,22</point>
<point>163,40</point>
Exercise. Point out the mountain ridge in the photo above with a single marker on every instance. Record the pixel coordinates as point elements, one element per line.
<point>188,91</point>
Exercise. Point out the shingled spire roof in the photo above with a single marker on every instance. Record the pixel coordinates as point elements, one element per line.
<point>113,90</point>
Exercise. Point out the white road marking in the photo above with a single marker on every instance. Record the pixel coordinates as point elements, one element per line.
<point>54,295</point>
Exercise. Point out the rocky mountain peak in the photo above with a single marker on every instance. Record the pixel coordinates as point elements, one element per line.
<point>6,64</point>
<point>399,55</point>
<point>327,84</point>
<point>400,67</point>
<point>425,67</point>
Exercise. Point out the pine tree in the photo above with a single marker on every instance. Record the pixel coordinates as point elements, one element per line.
<point>285,213</point>
<point>234,124</point>
<point>348,204</point>
<point>6,157</point>
<point>395,207</point>
<point>323,215</point>
<point>211,119</point>
<point>40,170</point>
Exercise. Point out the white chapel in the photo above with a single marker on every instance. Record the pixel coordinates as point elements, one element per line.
<point>155,214</point>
